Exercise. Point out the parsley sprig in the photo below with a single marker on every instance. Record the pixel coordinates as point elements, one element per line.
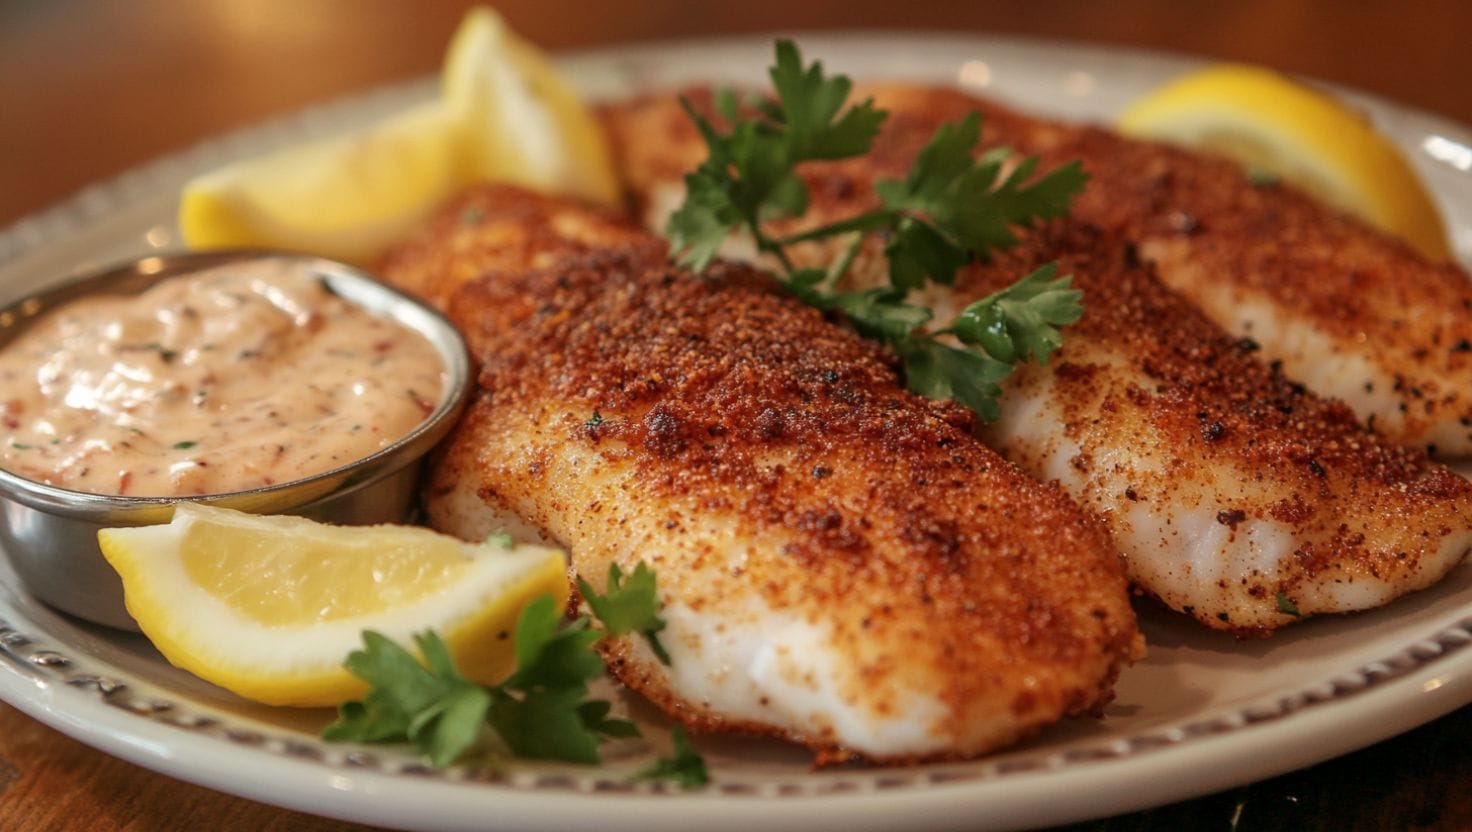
<point>542,711</point>
<point>629,606</point>
<point>685,767</point>
<point>951,208</point>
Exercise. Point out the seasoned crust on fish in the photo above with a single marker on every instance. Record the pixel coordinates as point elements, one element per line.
<point>1352,312</point>
<point>841,562</point>
<point>1345,309</point>
<point>1226,485</point>
<point>489,229</point>
<point>1239,496</point>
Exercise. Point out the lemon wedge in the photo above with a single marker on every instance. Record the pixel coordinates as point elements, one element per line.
<point>1273,124</point>
<point>524,122</point>
<point>347,197</point>
<point>270,606</point>
<point>505,114</point>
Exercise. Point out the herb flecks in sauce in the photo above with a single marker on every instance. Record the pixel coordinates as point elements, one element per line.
<point>233,378</point>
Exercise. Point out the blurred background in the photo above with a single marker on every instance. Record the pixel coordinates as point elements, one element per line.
<point>89,88</point>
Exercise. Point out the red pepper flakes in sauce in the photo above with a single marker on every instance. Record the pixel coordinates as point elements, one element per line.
<point>232,378</point>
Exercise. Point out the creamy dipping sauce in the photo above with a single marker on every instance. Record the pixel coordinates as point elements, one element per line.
<point>232,378</point>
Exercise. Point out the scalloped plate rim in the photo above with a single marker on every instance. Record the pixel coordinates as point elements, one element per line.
<point>1417,687</point>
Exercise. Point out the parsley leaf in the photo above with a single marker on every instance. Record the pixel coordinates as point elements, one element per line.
<point>542,711</point>
<point>1022,321</point>
<point>1286,605</point>
<point>879,313</point>
<point>750,173</point>
<point>938,170</point>
<point>434,707</point>
<point>686,767</point>
<point>968,209</point>
<point>938,371</point>
<point>630,606</point>
<point>700,227</point>
<point>918,252</point>
<point>810,106</point>
<point>594,714</point>
<point>547,726</point>
<point>548,655</point>
<point>952,207</point>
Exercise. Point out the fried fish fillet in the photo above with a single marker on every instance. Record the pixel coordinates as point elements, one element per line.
<point>841,563</point>
<point>1343,308</point>
<point>1236,495</point>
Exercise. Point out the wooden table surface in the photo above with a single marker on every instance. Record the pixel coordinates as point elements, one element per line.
<point>89,88</point>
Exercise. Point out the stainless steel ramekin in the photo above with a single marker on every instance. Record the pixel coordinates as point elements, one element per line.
<point>50,533</point>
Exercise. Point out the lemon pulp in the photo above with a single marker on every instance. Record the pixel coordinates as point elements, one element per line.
<point>269,607</point>
<point>321,575</point>
<point>524,122</point>
<point>505,114</point>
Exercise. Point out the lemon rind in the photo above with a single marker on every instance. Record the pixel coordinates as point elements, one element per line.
<point>302,665</point>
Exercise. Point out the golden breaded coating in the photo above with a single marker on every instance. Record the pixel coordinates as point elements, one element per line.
<point>841,562</point>
<point>496,229</point>
<point>1236,495</point>
<point>1341,307</point>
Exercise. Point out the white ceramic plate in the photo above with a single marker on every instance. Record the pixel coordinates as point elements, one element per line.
<point>1203,712</point>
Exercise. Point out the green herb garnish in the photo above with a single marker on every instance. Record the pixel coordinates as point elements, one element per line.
<point>686,767</point>
<point>434,707</point>
<point>501,538</point>
<point>1286,606</point>
<point>184,446</point>
<point>950,209</point>
<point>630,606</point>
<point>1263,178</point>
<point>541,712</point>
<point>472,215</point>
